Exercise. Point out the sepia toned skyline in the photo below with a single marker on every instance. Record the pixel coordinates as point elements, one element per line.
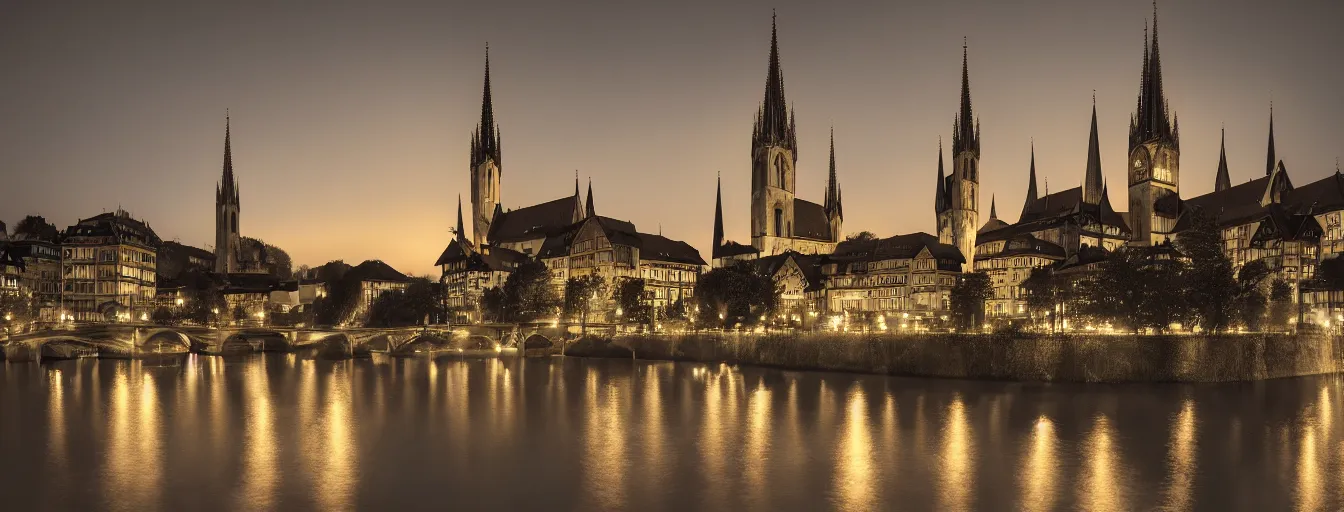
<point>351,125</point>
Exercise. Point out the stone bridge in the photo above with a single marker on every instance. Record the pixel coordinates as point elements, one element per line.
<point>152,341</point>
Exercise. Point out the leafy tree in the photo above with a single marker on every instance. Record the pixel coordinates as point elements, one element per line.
<point>239,313</point>
<point>1042,292</point>
<point>277,260</point>
<point>676,310</point>
<point>1135,289</point>
<point>35,227</point>
<point>1250,300</point>
<point>421,301</point>
<point>1281,303</point>
<point>862,236</point>
<point>21,308</point>
<point>163,316</point>
<point>1211,289</point>
<point>340,302</point>
<point>968,298</point>
<point>492,304</point>
<point>740,293</point>
<point>528,293</point>
<point>630,298</point>
<point>584,295</point>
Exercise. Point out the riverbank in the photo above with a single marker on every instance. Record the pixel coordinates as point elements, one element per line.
<point>1059,358</point>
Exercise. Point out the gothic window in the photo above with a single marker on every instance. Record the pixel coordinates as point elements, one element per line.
<point>780,171</point>
<point>779,222</point>
<point>233,222</point>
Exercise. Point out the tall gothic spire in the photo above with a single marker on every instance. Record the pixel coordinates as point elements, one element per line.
<point>940,200</point>
<point>718,218</point>
<point>1269,157</point>
<point>1151,119</point>
<point>228,184</point>
<point>592,209</point>
<point>832,185</point>
<point>1031,183</point>
<point>1092,180</point>
<point>1224,180</point>
<point>993,211</point>
<point>774,125</point>
<point>965,132</point>
<point>485,140</point>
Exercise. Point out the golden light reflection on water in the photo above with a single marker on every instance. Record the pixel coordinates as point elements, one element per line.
<point>56,421</point>
<point>339,474</point>
<point>1101,488</point>
<point>712,440</point>
<point>605,459</point>
<point>653,418</point>
<point>758,447</point>
<point>260,473</point>
<point>1181,458</point>
<point>1037,474</point>
<point>1315,421</point>
<point>133,471</point>
<point>854,457</point>
<point>956,471</point>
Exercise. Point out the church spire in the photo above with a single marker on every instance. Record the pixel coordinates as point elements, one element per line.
<point>965,133</point>
<point>1031,182</point>
<point>485,141</point>
<point>228,184</point>
<point>1092,180</point>
<point>1269,157</point>
<point>774,125</point>
<point>832,185</point>
<point>592,210</point>
<point>940,200</point>
<point>461,228</point>
<point>993,211</point>
<point>718,218</point>
<point>1224,180</point>
<point>1151,120</point>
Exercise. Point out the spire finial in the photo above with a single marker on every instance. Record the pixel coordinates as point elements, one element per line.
<point>1094,99</point>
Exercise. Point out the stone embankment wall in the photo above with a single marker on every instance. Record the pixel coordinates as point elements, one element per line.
<point>1062,358</point>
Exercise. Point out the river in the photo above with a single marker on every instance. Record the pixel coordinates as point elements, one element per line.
<point>279,432</point>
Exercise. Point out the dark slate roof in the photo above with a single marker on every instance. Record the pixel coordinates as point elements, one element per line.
<point>239,283</point>
<point>1235,205</point>
<point>900,246</point>
<point>991,225</point>
<point>24,249</point>
<point>454,252</point>
<point>557,245</point>
<point>376,270</point>
<point>1053,205</point>
<point>731,248</point>
<point>486,259</point>
<point>10,257</point>
<point>115,224</point>
<point>1322,195</point>
<point>809,221</point>
<point>186,250</point>
<point>810,264</point>
<point>660,248</point>
<point>1027,245</point>
<point>534,221</point>
<point>1051,210</point>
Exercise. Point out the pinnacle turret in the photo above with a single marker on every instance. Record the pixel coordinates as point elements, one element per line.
<point>1092,179</point>
<point>832,201</point>
<point>592,209</point>
<point>1269,156</point>
<point>774,124</point>
<point>966,128</point>
<point>485,140</point>
<point>940,199</point>
<point>1151,120</point>
<point>1031,183</point>
<point>1224,180</point>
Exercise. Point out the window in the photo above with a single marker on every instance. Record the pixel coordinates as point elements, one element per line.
<point>233,222</point>
<point>779,222</point>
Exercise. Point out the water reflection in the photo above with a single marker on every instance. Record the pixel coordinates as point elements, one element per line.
<point>285,433</point>
<point>955,471</point>
<point>1038,467</point>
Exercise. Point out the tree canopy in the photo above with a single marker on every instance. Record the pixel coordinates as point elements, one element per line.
<point>420,302</point>
<point>528,294</point>
<point>740,293</point>
<point>862,236</point>
<point>968,298</point>
<point>630,298</point>
<point>584,295</point>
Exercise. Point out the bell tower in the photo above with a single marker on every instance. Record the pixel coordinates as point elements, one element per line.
<point>773,158</point>
<point>486,165</point>
<point>963,194</point>
<point>1154,154</point>
<point>227,241</point>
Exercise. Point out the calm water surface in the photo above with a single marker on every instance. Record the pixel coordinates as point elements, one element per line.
<point>277,432</point>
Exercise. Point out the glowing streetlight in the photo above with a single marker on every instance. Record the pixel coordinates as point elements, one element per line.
<point>143,316</point>
<point>8,317</point>
<point>179,301</point>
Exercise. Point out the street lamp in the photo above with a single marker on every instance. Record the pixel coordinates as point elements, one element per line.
<point>179,301</point>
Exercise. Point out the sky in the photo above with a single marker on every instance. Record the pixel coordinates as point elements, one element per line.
<point>351,120</point>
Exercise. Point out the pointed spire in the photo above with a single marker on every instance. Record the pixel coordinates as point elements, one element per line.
<point>1031,182</point>
<point>592,210</point>
<point>1223,181</point>
<point>718,217</point>
<point>832,186</point>
<point>775,126</point>
<point>993,211</point>
<point>1269,157</point>
<point>1092,179</point>
<point>461,231</point>
<point>228,184</point>
<point>485,140</point>
<point>1151,119</point>
<point>965,131</point>
<point>839,203</point>
<point>940,200</point>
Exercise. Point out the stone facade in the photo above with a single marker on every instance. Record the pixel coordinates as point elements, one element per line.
<point>108,268</point>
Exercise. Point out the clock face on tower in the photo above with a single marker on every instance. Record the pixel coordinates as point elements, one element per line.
<point>1139,165</point>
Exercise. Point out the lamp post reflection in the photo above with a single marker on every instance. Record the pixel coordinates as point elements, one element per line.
<point>1038,467</point>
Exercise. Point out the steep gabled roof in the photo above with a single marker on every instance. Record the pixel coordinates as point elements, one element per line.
<point>1026,244</point>
<point>376,270</point>
<point>731,248</point>
<point>896,247</point>
<point>536,221</point>
<point>1322,195</point>
<point>660,248</point>
<point>810,221</point>
<point>808,264</point>
<point>117,224</point>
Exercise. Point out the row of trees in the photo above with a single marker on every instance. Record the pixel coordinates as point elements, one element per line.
<point>1153,288</point>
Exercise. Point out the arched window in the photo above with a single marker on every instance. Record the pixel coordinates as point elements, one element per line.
<point>779,222</point>
<point>233,222</point>
<point>780,174</point>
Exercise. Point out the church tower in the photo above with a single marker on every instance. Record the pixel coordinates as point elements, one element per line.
<point>227,241</point>
<point>486,165</point>
<point>958,211</point>
<point>1154,154</point>
<point>773,157</point>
